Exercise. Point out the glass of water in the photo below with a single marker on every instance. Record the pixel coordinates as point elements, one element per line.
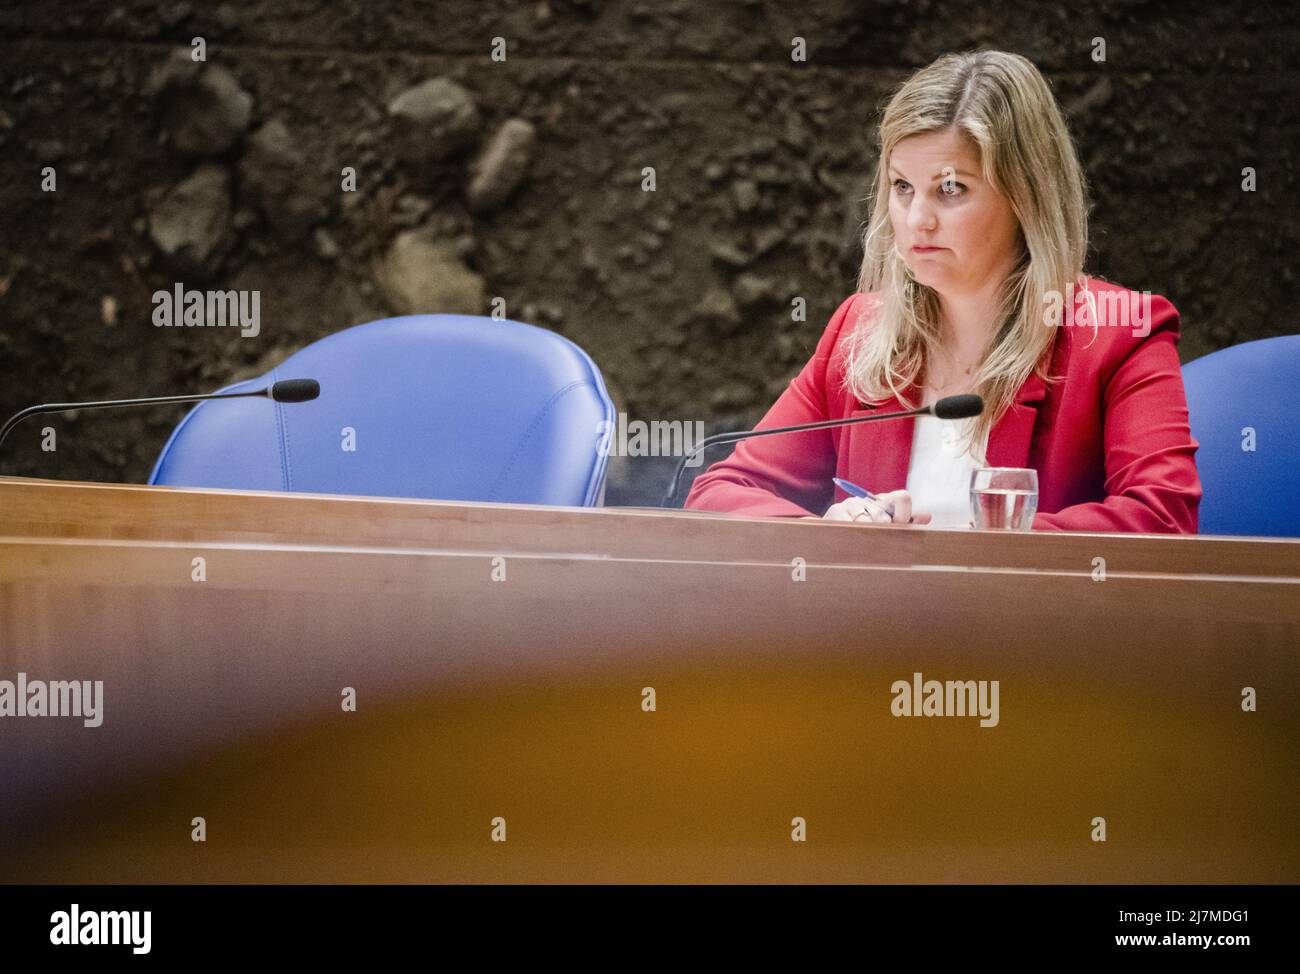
<point>1003,498</point>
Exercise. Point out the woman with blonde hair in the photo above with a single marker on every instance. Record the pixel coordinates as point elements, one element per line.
<point>972,281</point>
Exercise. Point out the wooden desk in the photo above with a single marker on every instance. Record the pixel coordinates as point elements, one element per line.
<point>522,697</point>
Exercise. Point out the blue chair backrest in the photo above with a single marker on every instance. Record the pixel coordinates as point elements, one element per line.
<point>1247,387</point>
<point>450,407</point>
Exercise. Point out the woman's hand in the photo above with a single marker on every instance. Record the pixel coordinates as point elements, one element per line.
<point>877,511</point>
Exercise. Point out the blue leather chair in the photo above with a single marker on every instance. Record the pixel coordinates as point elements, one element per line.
<point>1248,385</point>
<point>449,407</point>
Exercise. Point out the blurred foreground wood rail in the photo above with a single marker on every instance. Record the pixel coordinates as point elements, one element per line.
<point>520,697</point>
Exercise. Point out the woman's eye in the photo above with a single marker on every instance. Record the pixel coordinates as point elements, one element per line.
<point>951,189</point>
<point>899,184</point>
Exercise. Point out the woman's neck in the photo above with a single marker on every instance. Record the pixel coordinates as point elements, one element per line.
<point>966,324</point>
<point>965,327</point>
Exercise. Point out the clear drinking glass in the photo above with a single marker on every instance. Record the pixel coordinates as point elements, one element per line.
<point>1003,498</point>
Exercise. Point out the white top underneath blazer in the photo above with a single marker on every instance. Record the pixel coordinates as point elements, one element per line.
<point>938,474</point>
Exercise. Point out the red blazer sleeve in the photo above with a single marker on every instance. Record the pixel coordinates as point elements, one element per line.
<point>789,474</point>
<point>1151,480</point>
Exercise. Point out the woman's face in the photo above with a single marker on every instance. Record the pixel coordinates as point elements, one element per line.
<point>938,199</point>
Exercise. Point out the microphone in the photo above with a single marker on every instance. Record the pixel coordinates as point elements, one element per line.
<point>286,390</point>
<point>958,407</point>
<point>950,407</point>
<point>294,390</point>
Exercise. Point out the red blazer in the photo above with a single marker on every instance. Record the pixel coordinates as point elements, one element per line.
<point>1111,442</point>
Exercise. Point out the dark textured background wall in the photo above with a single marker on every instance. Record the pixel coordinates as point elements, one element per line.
<point>522,179</point>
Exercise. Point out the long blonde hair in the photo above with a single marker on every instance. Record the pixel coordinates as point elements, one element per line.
<point>1002,103</point>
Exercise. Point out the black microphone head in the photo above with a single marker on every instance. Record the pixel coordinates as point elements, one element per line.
<point>296,390</point>
<point>958,407</point>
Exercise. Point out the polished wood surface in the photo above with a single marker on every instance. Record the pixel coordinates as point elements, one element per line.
<point>522,697</point>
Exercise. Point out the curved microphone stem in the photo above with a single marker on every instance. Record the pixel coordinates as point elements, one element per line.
<point>671,499</point>
<point>59,407</point>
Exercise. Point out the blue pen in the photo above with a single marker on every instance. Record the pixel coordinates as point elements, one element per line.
<point>849,487</point>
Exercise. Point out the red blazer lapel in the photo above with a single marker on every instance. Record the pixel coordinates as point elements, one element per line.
<point>878,454</point>
<point>1010,437</point>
